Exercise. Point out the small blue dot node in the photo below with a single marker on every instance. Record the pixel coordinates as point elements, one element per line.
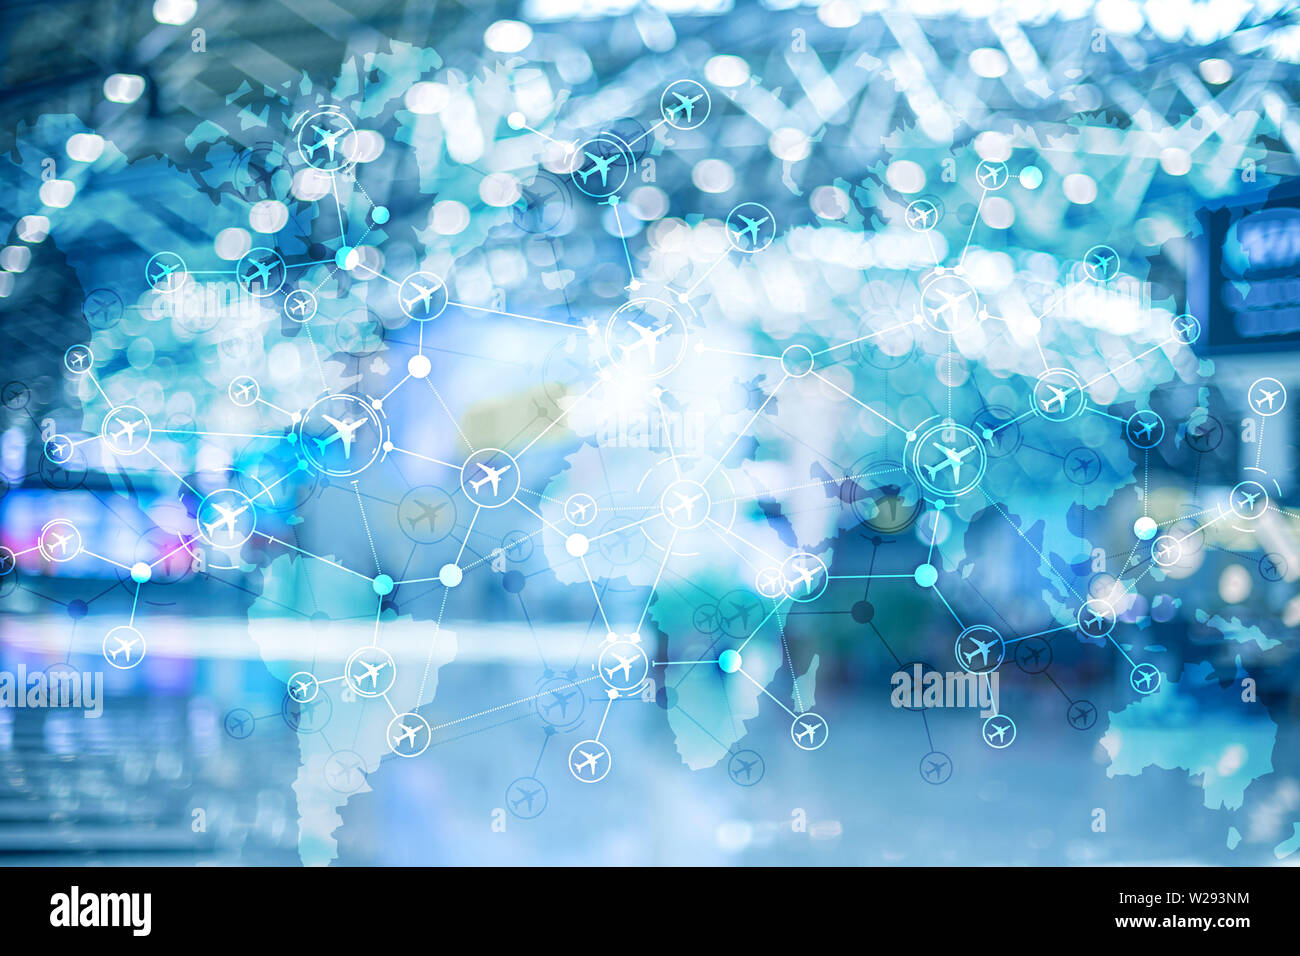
<point>341,257</point>
<point>926,575</point>
<point>380,215</point>
<point>729,661</point>
<point>382,584</point>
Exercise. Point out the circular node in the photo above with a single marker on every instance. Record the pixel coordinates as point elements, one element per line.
<point>921,215</point>
<point>949,452</point>
<point>797,361</point>
<point>999,731</point>
<point>647,338</point>
<point>1145,528</point>
<point>78,359</point>
<point>750,227</point>
<point>991,175</point>
<point>346,258</point>
<point>589,761</point>
<point>422,296</point>
<point>576,545</point>
<point>1186,329</point>
<point>166,272</point>
<point>949,303</point>
<point>490,478</point>
<point>58,449</point>
<point>345,771</point>
<point>379,215</point>
<point>1272,567</point>
<point>124,647</point>
<point>126,430</point>
<point>59,541</point>
<point>623,665</point>
<point>244,391</point>
<point>1058,395</point>
<point>685,104</point>
<point>370,671</point>
<point>980,649</point>
<point>239,723</point>
<point>1101,263</point>
<point>320,139</point>
<point>925,575</point>
<point>685,504</point>
<point>261,272</point>
<point>1144,429</point>
<point>603,166</point>
<point>226,518</point>
<point>1248,500</point>
<point>341,435</point>
<point>1166,550</point>
<point>1082,466</point>
<point>1033,655</point>
<point>303,686</point>
<point>770,583</point>
<point>729,661</point>
<point>408,735</point>
<point>936,767</point>
<point>746,768</point>
<point>419,366</point>
<point>141,572</point>
<point>300,305</point>
<point>1145,678</point>
<point>516,120</point>
<point>1081,714</point>
<point>8,560</point>
<point>382,584</point>
<point>809,731</point>
<point>580,509</point>
<point>1096,617</point>
<point>1267,397</point>
<point>426,514</point>
<point>527,797</point>
<point>450,575</point>
<point>805,576</point>
<point>1204,433</point>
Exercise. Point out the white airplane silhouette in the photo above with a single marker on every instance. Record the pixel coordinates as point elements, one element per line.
<point>952,459</point>
<point>981,648</point>
<point>1058,398</point>
<point>950,301</point>
<point>602,167</point>
<point>809,731</point>
<point>344,430</point>
<point>262,270</point>
<point>1101,258</point>
<point>299,304</point>
<point>1248,500</point>
<point>1164,550</point>
<point>1145,677</point>
<point>228,516</point>
<point>128,429</point>
<point>1267,396</point>
<point>165,273</point>
<point>327,138</point>
<point>244,390</point>
<point>580,508</point>
<point>79,359</point>
<point>688,103</point>
<point>751,227</point>
<point>1092,619</point>
<point>1145,428</point>
<point>589,762</point>
<point>422,295</point>
<point>61,541</point>
<point>123,645</point>
<point>490,474</point>
<point>805,575</point>
<point>624,665</point>
<point>371,673</point>
<point>999,732</point>
<point>684,501</point>
<point>920,215</point>
<point>989,175</point>
<point>647,338</point>
<point>408,733</point>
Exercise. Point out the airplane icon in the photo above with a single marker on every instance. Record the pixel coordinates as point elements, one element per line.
<point>1101,259</point>
<point>952,460</point>
<point>1185,327</point>
<point>769,582</point>
<point>235,724</point>
<point>686,502</point>
<point>1081,466</point>
<point>1080,713</point>
<point>744,766</point>
<point>344,430</point>
<point>997,730</point>
<point>561,701</point>
<point>299,304</point>
<point>1165,551</point>
<point>301,687</point>
<point>990,175</point>
<point>981,648</point>
<point>919,216</point>
<point>1248,500</point>
<point>1144,428</point>
<point>428,514</point>
<point>525,796</point>
<point>601,166</point>
<point>647,337</point>
<point>1031,655</point>
<point>804,575</point>
<point>1266,396</point>
<point>751,227</point>
<point>408,734</point>
<point>423,293</point>
<point>343,771</point>
<point>740,610</point>
<point>807,730</point>
<point>590,761</point>
<point>935,768</point>
<point>327,138</point>
<point>578,510</point>
<point>490,474</point>
<point>244,390</point>
<point>78,358</point>
<point>1058,398</point>
<point>685,102</point>
<point>1094,622</point>
<point>123,646</point>
<point>128,429</point>
<point>624,665</point>
<point>61,541</point>
<point>164,272</point>
<point>229,514</point>
<point>1144,677</point>
<point>371,673</point>
<point>261,270</point>
<point>950,301</point>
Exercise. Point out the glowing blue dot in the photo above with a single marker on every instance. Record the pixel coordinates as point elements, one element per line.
<point>1144,528</point>
<point>382,584</point>
<point>926,575</point>
<point>380,215</point>
<point>1031,177</point>
<point>729,661</point>
<point>341,257</point>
